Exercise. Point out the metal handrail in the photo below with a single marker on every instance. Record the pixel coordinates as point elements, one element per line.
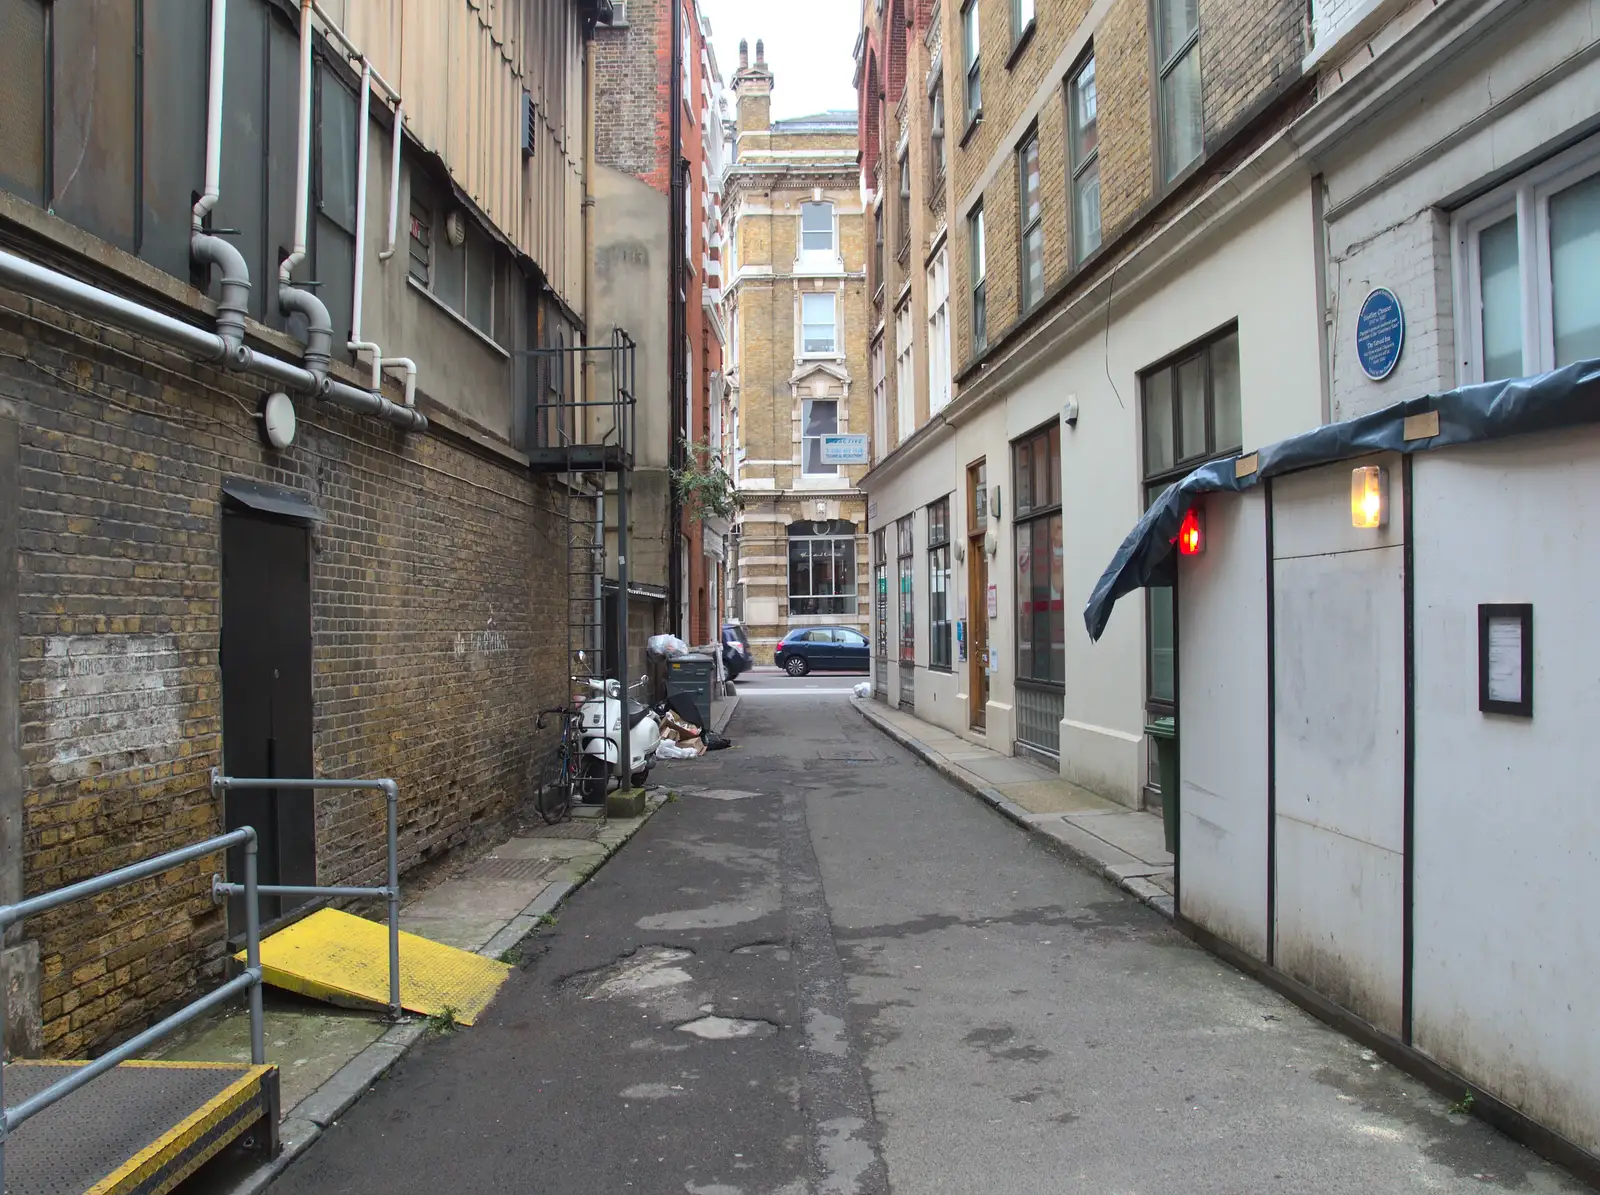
<point>562,422</point>
<point>249,979</point>
<point>220,889</point>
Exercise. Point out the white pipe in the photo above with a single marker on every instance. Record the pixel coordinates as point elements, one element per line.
<point>361,204</point>
<point>213,191</point>
<point>352,51</point>
<point>302,190</point>
<point>369,76</point>
<point>394,182</point>
<point>410,367</point>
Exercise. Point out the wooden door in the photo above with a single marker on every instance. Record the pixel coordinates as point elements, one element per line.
<point>977,595</point>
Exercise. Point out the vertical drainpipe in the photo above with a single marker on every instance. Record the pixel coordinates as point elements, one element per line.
<point>589,389</point>
<point>676,323</point>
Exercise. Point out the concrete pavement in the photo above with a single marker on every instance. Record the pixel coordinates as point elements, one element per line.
<point>1126,846</point>
<point>826,968</point>
<point>328,1057</point>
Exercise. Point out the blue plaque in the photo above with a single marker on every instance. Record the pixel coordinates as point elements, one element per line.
<point>1380,333</point>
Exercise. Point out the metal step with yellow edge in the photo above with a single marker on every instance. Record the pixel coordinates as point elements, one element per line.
<point>344,959</point>
<point>139,1129</point>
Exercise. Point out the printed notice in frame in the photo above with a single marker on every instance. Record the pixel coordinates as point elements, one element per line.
<point>1505,659</point>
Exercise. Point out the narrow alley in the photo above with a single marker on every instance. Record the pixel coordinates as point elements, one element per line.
<point>822,968</point>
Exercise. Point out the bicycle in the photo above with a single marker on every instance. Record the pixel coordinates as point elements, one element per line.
<point>562,774</point>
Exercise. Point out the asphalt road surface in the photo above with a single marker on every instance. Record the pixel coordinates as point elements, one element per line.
<point>824,971</point>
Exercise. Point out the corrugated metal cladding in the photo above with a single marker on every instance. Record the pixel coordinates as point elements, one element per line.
<point>462,67</point>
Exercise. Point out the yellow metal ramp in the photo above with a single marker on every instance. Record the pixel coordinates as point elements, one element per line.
<point>343,959</point>
<point>139,1129</point>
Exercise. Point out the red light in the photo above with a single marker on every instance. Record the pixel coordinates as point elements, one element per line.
<point>1191,535</point>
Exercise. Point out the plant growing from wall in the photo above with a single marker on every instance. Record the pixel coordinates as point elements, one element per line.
<point>703,486</point>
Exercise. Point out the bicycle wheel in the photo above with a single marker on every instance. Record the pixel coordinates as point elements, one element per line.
<point>555,794</point>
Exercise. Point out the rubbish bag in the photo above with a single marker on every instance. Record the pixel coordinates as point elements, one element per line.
<point>667,749</point>
<point>864,689</point>
<point>715,741</point>
<point>666,646</point>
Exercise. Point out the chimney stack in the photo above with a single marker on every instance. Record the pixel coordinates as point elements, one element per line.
<point>753,87</point>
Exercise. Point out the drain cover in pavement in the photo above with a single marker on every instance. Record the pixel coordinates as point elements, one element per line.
<point>494,868</point>
<point>563,830</point>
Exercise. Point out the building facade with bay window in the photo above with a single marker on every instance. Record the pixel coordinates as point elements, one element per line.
<point>796,309</point>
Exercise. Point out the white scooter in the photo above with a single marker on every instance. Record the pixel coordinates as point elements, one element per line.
<point>602,713</point>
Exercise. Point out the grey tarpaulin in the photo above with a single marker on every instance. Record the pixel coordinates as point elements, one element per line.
<point>1568,397</point>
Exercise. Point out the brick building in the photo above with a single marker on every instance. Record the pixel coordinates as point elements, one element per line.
<point>188,578</point>
<point>798,320</point>
<point>1099,270</point>
<point>659,95</point>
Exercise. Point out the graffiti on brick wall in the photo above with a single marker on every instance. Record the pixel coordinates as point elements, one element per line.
<point>112,701</point>
<point>472,646</point>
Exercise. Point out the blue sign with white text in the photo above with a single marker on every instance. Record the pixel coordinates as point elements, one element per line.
<point>1380,333</point>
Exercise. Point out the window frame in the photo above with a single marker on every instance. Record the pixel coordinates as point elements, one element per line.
<point>972,62</point>
<point>806,437</point>
<point>419,254</point>
<point>1164,70</point>
<point>880,596</point>
<point>1154,481</point>
<point>1029,227</point>
<point>878,364</point>
<point>905,385</point>
<point>1023,521</point>
<point>832,351</point>
<point>938,137</point>
<point>903,207</point>
<point>877,253</point>
<point>827,258</point>
<point>1024,21</point>
<point>844,593</point>
<point>940,579</point>
<point>1078,168</point>
<point>906,543</point>
<point>978,268</point>
<point>939,380</point>
<point>1526,197</point>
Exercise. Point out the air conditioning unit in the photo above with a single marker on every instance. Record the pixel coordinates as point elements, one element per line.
<point>530,124</point>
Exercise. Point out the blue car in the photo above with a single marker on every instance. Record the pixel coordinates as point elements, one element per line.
<point>823,649</point>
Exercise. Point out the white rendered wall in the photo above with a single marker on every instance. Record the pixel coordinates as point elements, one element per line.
<point>1261,274</point>
<point>1222,699</point>
<point>1505,874</point>
<point>1339,718</point>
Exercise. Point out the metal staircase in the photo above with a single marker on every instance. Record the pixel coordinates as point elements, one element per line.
<point>581,428</point>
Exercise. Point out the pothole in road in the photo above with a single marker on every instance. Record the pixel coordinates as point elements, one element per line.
<point>647,971</point>
<point>775,950</point>
<point>714,1027</point>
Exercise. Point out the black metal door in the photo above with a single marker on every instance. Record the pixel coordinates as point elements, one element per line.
<point>266,698</point>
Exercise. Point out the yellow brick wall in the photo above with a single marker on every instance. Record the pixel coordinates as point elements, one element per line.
<point>1122,69</point>
<point>1250,50</point>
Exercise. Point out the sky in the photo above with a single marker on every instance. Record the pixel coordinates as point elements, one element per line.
<point>809,43</point>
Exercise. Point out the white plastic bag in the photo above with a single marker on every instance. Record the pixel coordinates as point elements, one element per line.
<point>864,689</point>
<point>667,749</point>
<point>666,646</point>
